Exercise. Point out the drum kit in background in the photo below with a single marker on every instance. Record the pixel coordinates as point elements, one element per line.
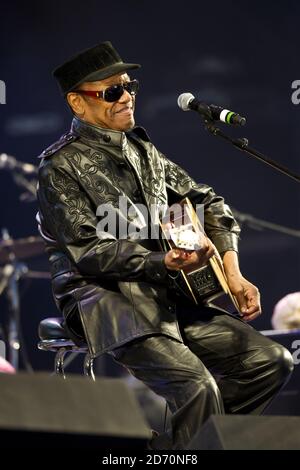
<point>14,254</point>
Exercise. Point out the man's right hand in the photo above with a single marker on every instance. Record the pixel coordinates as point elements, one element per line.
<point>178,258</point>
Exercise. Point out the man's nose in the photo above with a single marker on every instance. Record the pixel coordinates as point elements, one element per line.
<point>126,97</point>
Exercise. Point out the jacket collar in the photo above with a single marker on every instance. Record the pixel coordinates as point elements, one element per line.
<point>91,132</point>
<point>106,136</point>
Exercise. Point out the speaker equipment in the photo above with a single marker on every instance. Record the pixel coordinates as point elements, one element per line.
<point>287,401</point>
<point>47,411</point>
<point>246,432</point>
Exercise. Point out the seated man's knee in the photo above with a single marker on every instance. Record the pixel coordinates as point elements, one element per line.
<point>281,360</point>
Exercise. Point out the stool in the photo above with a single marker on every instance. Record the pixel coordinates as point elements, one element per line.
<point>55,338</point>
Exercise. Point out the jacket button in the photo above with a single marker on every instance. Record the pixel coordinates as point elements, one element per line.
<point>122,164</point>
<point>171,308</point>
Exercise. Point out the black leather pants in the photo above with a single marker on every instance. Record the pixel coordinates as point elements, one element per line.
<point>225,366</point>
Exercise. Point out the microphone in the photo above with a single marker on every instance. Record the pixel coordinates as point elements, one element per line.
<point>8,162</point>
<point>187,102</point>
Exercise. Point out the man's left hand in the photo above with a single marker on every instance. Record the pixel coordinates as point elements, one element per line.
<point>247,295</point>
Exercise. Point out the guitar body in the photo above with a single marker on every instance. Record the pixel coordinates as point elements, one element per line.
<point>206,285</point>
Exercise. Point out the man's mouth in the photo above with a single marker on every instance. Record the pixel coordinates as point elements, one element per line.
<point>125,110</point>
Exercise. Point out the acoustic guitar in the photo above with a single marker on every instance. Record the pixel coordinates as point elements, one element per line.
<point>207,284</point>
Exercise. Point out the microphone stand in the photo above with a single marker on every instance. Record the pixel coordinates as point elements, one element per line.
<point>13,271</point>
<point>242,144</point>
<point>14,313</point>
<point>259,224</point>
<point>30,187</point>
<point>20,172</point>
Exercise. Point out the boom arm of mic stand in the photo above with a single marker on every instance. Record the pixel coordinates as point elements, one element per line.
<point>256,224</point>
<point>242,144</point>
<point>30,187</point>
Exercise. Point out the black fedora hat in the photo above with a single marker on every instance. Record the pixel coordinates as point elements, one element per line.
<point>90,65</point>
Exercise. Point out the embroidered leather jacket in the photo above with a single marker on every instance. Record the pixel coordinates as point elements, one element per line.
<point>117,285</point>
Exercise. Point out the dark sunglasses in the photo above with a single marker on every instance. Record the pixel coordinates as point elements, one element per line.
<point>114,92</point>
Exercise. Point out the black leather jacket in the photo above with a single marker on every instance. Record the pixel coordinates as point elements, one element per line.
<point>118,286</point>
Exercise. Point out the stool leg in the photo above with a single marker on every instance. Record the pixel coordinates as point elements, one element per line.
<point>88,366</point>
<point>59,362</point>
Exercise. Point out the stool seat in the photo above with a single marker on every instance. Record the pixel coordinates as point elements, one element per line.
<point>52,328</point>
<point>54,337</point>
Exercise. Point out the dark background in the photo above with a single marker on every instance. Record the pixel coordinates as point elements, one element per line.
<point>242,55</point>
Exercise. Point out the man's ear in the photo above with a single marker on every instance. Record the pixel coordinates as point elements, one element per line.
<point>77,103</point>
